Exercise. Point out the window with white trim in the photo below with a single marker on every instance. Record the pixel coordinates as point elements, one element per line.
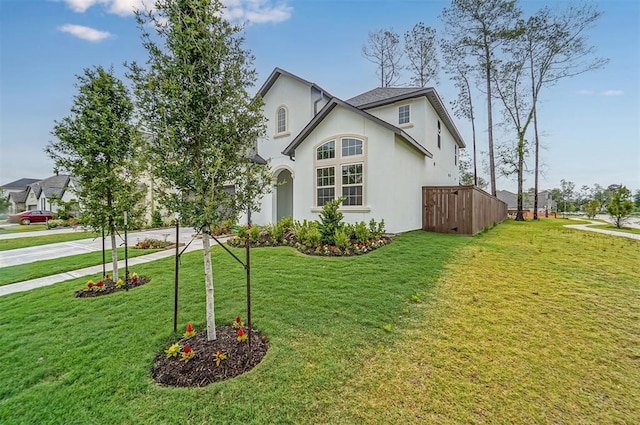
<point>404,114</point>
<point>281,120</point>
<point>325,185</point>
<point>439,140</point>
<point>455,154</point>
<point>339,171</point>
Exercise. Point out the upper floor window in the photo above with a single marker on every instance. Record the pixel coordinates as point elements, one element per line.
<point>404,114</point>
<point>281,120</point>
<point>351,147</point>
<point>439,140</point>
<point>326,151</point>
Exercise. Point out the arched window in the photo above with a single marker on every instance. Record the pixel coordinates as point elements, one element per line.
<point>340,171</point>
<point>281,120</point>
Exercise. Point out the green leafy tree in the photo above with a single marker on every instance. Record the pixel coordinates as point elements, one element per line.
<point>4,202</point>
<point>636,200</point>
<point>97,145</point>
<point>620,206</point>
<point>193,99</point>
<point>591,208</point>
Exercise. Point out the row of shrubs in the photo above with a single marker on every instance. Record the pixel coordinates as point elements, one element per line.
<point>329,236</point>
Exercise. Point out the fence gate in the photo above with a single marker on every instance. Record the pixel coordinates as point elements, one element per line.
<point>464,210</point>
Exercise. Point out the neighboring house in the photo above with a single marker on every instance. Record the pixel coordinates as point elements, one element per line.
<point>377,150</point>
<point>546,204</point>
<point>16,192</point>
<point>38,194</point>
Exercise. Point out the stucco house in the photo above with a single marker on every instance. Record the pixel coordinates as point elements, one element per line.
<point>16,193</point>
<point>38,194</point>
<point>376,150</point>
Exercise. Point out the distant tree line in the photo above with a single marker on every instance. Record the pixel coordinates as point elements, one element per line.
<point>495,53</point>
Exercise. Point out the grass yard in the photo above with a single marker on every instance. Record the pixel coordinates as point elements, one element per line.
<point>25,242</point>
<point>42,268</point>
<point>20,228</point>
<point>527,323</point>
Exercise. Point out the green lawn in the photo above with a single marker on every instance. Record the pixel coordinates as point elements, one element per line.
<point>527,323</point>
<point>18,229</point>
<point>16,243</point>
<point>42,268</point>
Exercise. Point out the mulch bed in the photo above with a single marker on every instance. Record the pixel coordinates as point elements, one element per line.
<point>202,370</point>
<point>110,287</point>
<point>353,249</point>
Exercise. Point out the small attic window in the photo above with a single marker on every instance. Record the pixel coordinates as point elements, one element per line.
<point>281,120</point>
<point>404,114</point>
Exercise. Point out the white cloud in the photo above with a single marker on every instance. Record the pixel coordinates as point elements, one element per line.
<point>85,33</point>
<point>586,92</point>
<point>251,11</point>
<point>612,93</point>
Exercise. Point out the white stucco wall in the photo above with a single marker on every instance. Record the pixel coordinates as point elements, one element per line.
<point>394,173</point>
<point>423,127</point>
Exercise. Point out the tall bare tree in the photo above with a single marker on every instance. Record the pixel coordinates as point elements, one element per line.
<point>479,28</point>
<point>556,47</point>
<point>383,49</point>
<point>420,46</point>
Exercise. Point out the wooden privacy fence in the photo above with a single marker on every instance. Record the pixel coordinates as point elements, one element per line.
<point>465,210</point>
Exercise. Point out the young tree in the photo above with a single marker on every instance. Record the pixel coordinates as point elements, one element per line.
<point>468,175</point>
<point>97,145</point>
<point>420,47</point>
<point>567,188</point>
<point>636,200</point>
<point>193,99</point>
<point>478,28</point>
<point>591,208</point>
<point>383,49</point>
<point>620,206</point>
<point>4,202</point>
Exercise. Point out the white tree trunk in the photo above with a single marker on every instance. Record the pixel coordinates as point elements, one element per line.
<point>114,255</point>
<point>208,279</point>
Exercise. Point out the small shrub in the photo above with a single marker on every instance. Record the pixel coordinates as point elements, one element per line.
<point>254,234</point>
<point>342,239</point>
<point>313,237</point>
<point>362,233</point>
<point>330,221</point>
<point>156,219</point>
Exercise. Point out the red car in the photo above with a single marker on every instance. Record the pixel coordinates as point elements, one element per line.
<point>33,216</point>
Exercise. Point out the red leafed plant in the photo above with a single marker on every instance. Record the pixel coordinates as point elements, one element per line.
<point>242,337</point>
<point>238,323</point>
<point>187,354</point>
<point>100,286</point>
<point>220,356</point>
<point>189,331</point>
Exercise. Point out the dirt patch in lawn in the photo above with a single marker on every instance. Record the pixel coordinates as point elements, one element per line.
<point>202,369</point>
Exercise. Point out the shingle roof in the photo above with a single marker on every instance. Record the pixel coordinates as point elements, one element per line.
<point>20,183</point>
<point>386,95</point>
<point>18,197</point>
<point>54,185</point>
<point>381,94</point>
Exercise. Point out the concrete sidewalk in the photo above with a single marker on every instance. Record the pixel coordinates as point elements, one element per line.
<point>87,271</point>
<point>603,231</point>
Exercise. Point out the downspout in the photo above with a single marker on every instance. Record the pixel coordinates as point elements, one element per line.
<point>315,103</point>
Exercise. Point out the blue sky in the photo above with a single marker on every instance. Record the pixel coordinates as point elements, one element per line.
<point>590,123</point>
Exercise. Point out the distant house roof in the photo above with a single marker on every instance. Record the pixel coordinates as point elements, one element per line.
<point>18,197</point>
<point>54,185</point>
<point>19,184</point>
<point>511,199</point>
<point>289,150</point>
<point>386,95</point>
